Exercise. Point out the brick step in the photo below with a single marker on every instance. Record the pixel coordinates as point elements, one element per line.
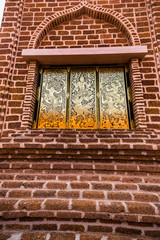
<point>82,219</point>
<point>80,136</point>
<point>80,176</point>
<point>83,131</point>
<point>94,167</point>
<point>82,158</point>
<point>6,152</point>
<point>81,191</point>
<point>86,196</point>
<point>147,183</point>
<point>82,139</point>
<point>79,157</point>
<point>107,190</point>
<point>112,197</point>
<point>83,155</point>
<point>9,173</point>
<point>67,236</point>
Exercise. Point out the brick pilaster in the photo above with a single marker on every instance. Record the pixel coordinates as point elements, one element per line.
<point>137,94</point>
<point>30,95</point>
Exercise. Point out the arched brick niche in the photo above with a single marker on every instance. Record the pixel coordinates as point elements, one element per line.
<point>94,12</point>
<point>108,15</point>
<point>83,32</point>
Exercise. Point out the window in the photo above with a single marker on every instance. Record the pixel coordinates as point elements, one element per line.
<point>84,98</point>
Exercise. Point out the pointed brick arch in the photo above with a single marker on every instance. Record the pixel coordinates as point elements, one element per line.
<point>107,15</point>
<point>116,19</point>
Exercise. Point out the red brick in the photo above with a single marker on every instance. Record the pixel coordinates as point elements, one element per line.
<point>151,219</point>
<point>17,227</point>
<point>93,194</point>
<point>83,205</point>
<point>79,185</point>
<point>56,204</point>
<point>72,227</point>
<point>150,188</point>
<point>42,214</point>
<point>3,193</point>
<point>69,215</point>
<point>126,218</point>
<point>129,231</point>
<point>41,166</point>
<point>34,236</point>
<point>62,236</point>
<point>11,184</point>
<point>102,186</point>
<point>66,177</point>
<point>145,197</point>
<point>104,167</point>
<point>119,196</point>
<point>33,184</point>
<point>111,207</point>
<point>44,193</point>
<point>30,204</point>
<point>12,215</point>
<point>56,185</point>
<point>45,227</point>
<point>153,234</point>
<point>119,238</point>
<point>20,165</point>
<point>99,229</point>
<point>140,208</point>
<point>127,168</point>
<point>125,186</point>
<point>6,204</point>
<point>25,177</point>
<point>19,193</point>
<point>86,236</point>
<point>68,194</point>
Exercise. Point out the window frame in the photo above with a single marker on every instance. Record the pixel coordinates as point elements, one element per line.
<point>132,55</point>
<point>128,97</point>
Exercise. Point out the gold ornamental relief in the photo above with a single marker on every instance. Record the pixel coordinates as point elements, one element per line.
<point>53,99</point>
<point>113,105</point>
<point>83,99</point>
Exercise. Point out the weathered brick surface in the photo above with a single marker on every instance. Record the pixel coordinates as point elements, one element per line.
<point>74,199</point>
<point>83,31</point>
<point>67,236</point>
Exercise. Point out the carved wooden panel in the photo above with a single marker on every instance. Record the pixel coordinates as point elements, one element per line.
<point>53,99</point>
<point>83,98</point>
<point>113,105</point>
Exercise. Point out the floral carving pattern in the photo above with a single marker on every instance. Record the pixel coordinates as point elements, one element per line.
<point>53,99</point>
<point>83,99</point>
<point>113,106</point>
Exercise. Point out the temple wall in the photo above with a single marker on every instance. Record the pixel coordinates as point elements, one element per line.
<point>100,184</point>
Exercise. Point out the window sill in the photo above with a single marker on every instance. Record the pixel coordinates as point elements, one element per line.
<point>84,56</point>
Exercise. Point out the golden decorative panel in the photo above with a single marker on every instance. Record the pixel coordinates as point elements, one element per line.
<point>83,112</point>
<point>53,99</point>
<point>83,98</point>
<point>113,105</point>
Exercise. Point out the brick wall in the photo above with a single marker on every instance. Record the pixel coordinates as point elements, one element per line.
<point>78,185</point>
<point>16,34</point>
<point>85,194</point>
<point>84,32</point>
